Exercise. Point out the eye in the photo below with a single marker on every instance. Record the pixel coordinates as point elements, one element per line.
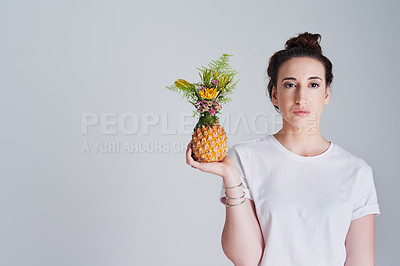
<point>289,85</point>
<point>314,85</point>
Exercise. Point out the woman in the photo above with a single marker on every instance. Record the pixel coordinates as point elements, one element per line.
<point>295,198</point>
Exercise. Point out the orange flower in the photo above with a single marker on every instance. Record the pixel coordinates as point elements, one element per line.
<point>208,93</point>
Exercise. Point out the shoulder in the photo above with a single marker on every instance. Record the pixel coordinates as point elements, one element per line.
<point>351,160</point>
<point>249,146</point>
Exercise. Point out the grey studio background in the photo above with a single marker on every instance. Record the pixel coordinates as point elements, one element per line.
<point>71,71</point>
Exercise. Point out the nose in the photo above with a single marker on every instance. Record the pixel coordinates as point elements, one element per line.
<point>301,95</point>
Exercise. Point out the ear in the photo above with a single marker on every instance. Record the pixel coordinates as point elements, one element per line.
<point>327,95</point>
<point>274,96</point>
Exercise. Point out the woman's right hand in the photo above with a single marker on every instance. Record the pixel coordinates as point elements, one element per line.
<point>224,168</point>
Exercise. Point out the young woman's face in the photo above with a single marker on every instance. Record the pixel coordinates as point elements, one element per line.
<point>301,86</point>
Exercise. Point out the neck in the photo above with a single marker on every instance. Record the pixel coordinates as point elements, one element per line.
<point>304,141</point>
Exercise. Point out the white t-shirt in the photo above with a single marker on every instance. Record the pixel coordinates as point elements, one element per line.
<point>304,204</point>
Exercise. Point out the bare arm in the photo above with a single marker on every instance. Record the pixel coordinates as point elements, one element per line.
<point>360,242</point>
<point>242,240</point>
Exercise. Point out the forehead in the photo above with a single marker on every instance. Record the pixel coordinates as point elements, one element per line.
<point>302,67</point>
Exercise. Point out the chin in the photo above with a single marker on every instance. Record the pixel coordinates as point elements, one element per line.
<point>305,123</point>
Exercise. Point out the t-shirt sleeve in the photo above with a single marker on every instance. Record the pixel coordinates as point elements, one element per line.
<point>233,153</point>
<point>366,201</point>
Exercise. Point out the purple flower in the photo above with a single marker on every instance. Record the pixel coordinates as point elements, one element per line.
<point>214,82</point>
<point>212,111</point>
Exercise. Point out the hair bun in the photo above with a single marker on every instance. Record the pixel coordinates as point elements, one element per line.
<point>305,40</point>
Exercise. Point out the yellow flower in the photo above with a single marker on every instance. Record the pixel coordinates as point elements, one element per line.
<point>208,93</point>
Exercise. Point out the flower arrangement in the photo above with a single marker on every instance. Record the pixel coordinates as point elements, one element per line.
<point>211,91</point>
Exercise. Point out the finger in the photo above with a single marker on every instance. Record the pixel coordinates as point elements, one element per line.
<point>188,153</point>
<point>189,159</point>
<point>188,146</point>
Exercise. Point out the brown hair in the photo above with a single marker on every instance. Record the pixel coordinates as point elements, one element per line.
<point>304,45</point>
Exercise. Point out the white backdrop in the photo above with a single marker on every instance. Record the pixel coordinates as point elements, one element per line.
<point>77,73</point>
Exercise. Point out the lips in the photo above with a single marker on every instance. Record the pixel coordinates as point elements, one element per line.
<point>301,112</point>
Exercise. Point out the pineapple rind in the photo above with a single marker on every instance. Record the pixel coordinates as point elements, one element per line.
<point>209,143</point>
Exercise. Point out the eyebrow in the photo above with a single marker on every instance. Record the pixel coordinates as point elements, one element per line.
<point>291,78</point>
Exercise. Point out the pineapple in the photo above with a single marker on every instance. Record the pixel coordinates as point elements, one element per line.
<point>209,141</point>
<point>209,144</point>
